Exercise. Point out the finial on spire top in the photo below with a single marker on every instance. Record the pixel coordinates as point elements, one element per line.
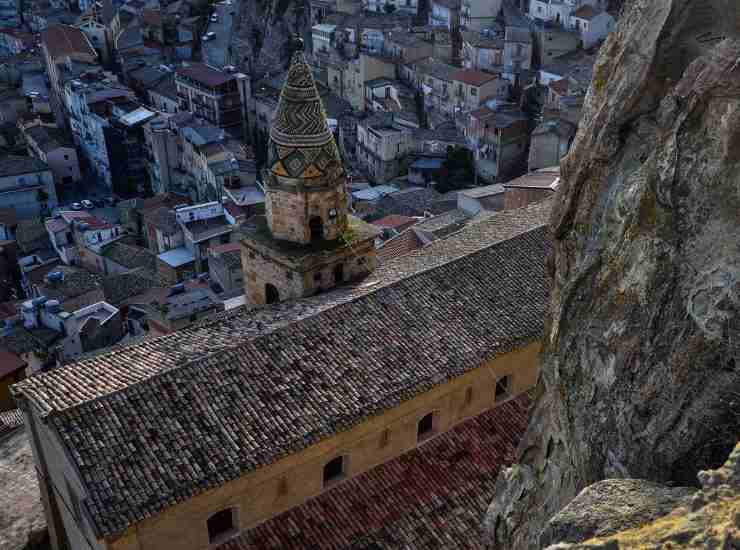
<point>296,44</point>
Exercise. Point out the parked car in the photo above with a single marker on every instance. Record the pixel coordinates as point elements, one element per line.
<point>87,204</point>
<point>110,201</point>
<point>76,206</point>
<point>99,203</point>
<point>214,18</point>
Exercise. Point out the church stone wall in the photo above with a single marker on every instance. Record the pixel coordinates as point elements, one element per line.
<point>298,477</point>
<point>260,269</point>
<point>288,213</point>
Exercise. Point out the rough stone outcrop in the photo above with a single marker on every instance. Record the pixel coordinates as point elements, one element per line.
<point>709,519</point>
<point>22,520</point>
<point>640,372</point>
<point>266,27</point>
<point>610,506</point>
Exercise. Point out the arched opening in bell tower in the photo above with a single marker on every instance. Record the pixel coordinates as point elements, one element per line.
<point>316,227</point>
<point>272,296</point>
<point>338,274</point>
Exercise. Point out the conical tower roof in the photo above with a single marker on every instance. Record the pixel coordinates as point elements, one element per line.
<point>301,143</point>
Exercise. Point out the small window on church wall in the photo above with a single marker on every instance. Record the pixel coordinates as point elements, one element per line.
<point>282,487</point>
<point>468,396</point>
<point>384,436</point>
<point>503,387</point>
<point>426,427</point>
<point>221,525</point>
<point>334,470</point>
<point>317,276</point>
<point>272,296</point>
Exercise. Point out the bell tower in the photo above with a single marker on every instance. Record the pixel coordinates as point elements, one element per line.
<point>307,241</point>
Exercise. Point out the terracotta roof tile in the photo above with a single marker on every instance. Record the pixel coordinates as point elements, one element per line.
<point>340,356</point>
<point>395,221</point>
<point>64,40</point>
<point>432,497</point>
<point>473,77</point>
<point>560,86</point>
<point>398,246</point>
<point>585,12</point>
<point>205,74</point>
<point>10,363</point>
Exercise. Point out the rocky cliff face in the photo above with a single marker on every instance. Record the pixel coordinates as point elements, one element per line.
<point>709,519</point>
<point>22,520</point>
<point>265,29</point>
<point>641,367</point>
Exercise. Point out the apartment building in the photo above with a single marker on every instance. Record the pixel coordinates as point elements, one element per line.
<point>219,96</point>
<point>52,146</point>
<point>383,143</point>
<point>498,135</point>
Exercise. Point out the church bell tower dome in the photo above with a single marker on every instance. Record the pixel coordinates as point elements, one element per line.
<point>301,143</point>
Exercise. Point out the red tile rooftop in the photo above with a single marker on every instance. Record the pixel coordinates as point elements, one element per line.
<point>433,497</point>
<point>228,247</point>
<point>473,77</point>
<point>10,363</point>
<point>403,244</point>
<point>395,221</point>
<point>64,40</point>
<point>585,12</point>
<point>205,74</point>
<point>560,86</point>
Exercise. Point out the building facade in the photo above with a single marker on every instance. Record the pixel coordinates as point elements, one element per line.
<point>217,95</point>
<point>27,185</point>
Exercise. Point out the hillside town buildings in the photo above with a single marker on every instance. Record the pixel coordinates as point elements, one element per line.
<point>293,264</point>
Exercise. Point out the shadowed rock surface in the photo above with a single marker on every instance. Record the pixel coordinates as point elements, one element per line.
<point>611,506</point>
<point>266,27</point>
<point>22,521</point>
<point>640,371</point>
<point>709,519</point>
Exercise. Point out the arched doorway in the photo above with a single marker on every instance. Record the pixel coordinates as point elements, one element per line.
<point>316,226</point>
<point>338,274</point>
<point>272,296</point>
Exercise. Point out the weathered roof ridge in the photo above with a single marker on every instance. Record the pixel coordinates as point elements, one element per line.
<point>351,299</point>
<point>272,318</point>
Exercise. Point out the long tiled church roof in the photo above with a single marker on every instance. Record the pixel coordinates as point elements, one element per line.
<point>431,498</point>
<point>161,421</point>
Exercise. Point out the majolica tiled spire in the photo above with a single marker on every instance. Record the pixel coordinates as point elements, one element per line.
<point>301,143</point>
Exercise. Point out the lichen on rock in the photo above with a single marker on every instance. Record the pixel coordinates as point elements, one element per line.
<point>640,374</point>
<point>710,518</point>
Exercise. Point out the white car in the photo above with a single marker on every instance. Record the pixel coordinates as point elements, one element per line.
<point>76,206</point>
<point>214,18</point>
<point>87,204</point>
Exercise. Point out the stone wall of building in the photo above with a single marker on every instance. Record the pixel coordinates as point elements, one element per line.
<point>291,481</point>
<point>262,269</point>
<point>519,197</point>
<point>288,213</point>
